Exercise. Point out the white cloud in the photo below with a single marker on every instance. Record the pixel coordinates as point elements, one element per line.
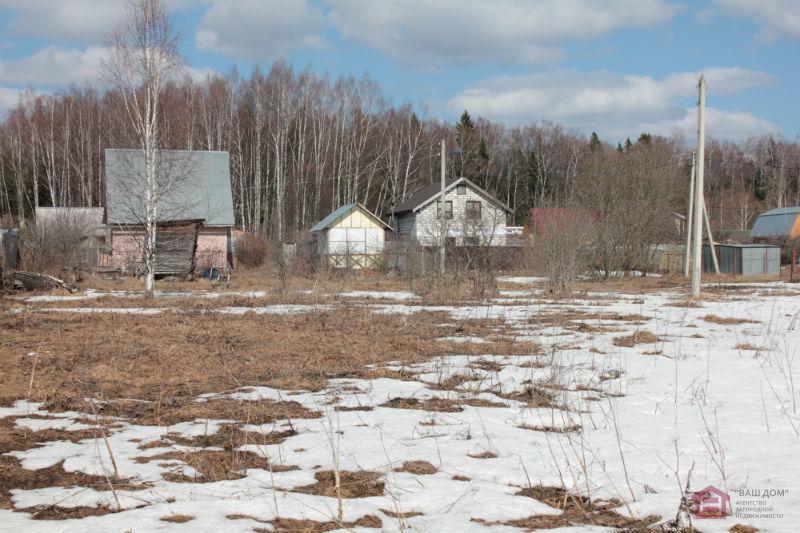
<point>425,34</point>
<point>79,21</point>
<point>613,105</point>
<point>84,21</point>
<point>260,29</point>
<point>53,66</point>
<point>776,17</point>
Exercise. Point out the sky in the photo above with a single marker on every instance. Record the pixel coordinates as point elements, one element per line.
<point>616,67</point>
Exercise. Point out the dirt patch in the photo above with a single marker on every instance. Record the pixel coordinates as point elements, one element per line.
<point>356,484</point>
<point>431,404</point>
<point>177,518</point>
<point>638,337</point>
<point>213,465</point>
<point>714,319</point>
<point>419,468</point>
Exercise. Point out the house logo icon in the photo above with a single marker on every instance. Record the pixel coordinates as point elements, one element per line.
<point>710,503</point>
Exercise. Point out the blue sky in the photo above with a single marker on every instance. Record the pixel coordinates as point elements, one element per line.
<point>617,67</point>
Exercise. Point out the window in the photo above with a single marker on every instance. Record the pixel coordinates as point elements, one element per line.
<point>448,209</point>
<point>461,189</point>
<point>473,210</point>
<point>450,242</point>
<point>471,241</point>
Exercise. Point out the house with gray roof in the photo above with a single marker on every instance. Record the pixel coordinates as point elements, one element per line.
<point>472,216</point>
<point>194,206</point>
<point>782,224</point>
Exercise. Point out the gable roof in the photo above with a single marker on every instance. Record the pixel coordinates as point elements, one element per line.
<point>431,192</point>
<point>330,219</point>
<point>775,223</point>
<point>201,190</point>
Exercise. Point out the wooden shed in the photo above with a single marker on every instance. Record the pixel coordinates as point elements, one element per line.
<point>351,237</point>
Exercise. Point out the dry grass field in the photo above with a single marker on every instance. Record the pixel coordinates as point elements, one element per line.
<point>218,380</point>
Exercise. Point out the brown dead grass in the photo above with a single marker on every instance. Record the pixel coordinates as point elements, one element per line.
<point>403,514</point>
<point>714,319</point>
<point>213,465</point>
<point>638,337</point>
<point>231,436</point>
<point>14,476</point>
<point>295,525</point>
<point>748,346</point>
<point>483,455</point>
<point>552,429</point>
<point>419,468</point>
<point>171,357</point>
<point>575,509</point>
<point>177,518</point>
<point>353,484</point>
<point>431,404</point>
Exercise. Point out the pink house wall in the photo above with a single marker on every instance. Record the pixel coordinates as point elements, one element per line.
<point>212,248</point>
<point>125,246</point>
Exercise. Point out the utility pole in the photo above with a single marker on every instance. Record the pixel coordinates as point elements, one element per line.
<point>443,228</point>
<point>699,201</point>
<point>687,251</point>
<point>710,240</point>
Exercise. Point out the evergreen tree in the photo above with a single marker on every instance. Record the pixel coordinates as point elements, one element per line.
<point>594,143</point>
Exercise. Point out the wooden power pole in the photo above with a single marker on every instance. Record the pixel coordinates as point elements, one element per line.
<point>699,201</point>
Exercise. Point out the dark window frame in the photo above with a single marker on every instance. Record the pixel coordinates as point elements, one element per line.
<point>471,213</point>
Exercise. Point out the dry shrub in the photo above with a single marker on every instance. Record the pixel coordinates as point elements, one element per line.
<point>214,465</point>
<point>741,528</point>
<point>748,346</point>
<point>638,337</point>
<point>418,468</point>
<point>714,319</point>
<point>177,518</point>
<point>251,250</point>
<point>355,484</point>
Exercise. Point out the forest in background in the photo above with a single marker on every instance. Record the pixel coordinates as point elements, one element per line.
<point>301,144</point>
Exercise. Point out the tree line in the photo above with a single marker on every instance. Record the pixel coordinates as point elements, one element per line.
<point>302,144</point>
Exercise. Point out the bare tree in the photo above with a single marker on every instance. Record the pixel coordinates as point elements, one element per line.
<point>143,56</point>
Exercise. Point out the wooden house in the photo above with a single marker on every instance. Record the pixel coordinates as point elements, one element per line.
<point>472,216</point>
<point>351,237</point>
<point>195,210</point>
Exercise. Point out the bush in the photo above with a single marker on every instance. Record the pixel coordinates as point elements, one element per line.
<point>563,247</point>
<point>251,250</point>
<point>63,242</point>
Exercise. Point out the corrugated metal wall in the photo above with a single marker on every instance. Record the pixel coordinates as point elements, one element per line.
<point>744,260</point>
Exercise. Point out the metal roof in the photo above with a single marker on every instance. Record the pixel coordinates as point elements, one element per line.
<point>430,192</point>
<point>775,223</point>
<point>200,188</point>
<point>330,219</point>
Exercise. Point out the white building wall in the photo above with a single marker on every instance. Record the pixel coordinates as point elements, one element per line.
<point>489,230</point>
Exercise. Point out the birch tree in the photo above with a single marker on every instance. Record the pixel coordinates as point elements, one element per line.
<point>143,56</point>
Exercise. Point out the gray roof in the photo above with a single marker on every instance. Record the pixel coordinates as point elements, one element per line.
<point>330,219</point>
<point>775,223</point>
<point>194,185</point>
<point>431,192</point>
